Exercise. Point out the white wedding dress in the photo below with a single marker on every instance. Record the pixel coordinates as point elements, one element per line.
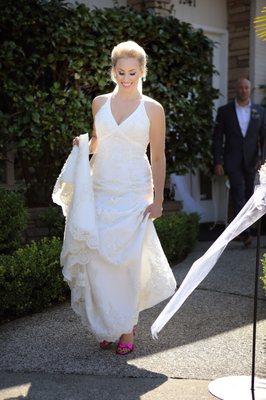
<point>126,271</point>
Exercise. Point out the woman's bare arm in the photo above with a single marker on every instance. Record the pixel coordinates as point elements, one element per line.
<point>93,140</point>
<point>157,146</point>
<point>97,103</point>
<point>158,163</point>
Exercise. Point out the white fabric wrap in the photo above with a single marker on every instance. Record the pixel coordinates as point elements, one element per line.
<point>254,209</point>
<point>73,191</point>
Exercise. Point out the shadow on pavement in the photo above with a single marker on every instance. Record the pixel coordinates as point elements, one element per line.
<point>45,386</point>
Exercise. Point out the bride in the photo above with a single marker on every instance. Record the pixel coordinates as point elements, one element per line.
<point>128,272</point>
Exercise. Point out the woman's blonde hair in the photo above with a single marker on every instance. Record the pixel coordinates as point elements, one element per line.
<point>129,49</point>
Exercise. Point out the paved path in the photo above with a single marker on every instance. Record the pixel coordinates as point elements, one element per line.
<point>51,356</point>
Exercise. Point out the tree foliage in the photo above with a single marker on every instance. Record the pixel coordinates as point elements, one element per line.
<point>55,58</point>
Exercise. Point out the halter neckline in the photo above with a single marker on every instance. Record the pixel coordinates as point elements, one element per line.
<point>129,116</point>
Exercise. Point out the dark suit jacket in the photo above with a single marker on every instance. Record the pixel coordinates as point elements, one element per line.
<point>230,148</point>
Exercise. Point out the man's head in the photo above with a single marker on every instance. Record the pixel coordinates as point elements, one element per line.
<point>243,87</point>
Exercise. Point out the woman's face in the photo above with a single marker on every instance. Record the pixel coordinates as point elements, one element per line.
<point>127,72</point>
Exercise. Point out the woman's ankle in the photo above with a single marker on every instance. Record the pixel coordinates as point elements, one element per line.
<point>127,337</point>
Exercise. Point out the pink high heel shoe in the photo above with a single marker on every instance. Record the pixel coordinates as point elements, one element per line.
<point>125,348</point>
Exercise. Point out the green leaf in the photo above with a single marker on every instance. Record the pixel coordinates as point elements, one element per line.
<point>36,117</point>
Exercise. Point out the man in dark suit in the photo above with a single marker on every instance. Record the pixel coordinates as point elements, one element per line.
<point>238,141</point>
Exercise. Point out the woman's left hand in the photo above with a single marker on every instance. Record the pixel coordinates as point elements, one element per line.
<point>154,209</point>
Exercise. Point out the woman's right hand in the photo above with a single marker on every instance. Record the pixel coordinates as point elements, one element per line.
<point>75,141</point>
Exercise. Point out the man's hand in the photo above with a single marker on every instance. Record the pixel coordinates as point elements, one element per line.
<point>218,170</point>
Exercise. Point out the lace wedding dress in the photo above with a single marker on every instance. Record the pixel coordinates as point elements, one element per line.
<point>120,269</point>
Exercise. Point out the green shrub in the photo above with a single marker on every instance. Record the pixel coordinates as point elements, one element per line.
<point>31,278</point>
<point>13,220</point>
<point>55,58</point>
<point>54,221</point>
<point>178,233</point>
<point>263,278</point>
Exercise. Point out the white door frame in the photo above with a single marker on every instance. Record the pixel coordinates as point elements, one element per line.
<point>219,82</point>
<point>213,210</point>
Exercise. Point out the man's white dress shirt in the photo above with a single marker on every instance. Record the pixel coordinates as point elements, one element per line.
<point>243,116</point>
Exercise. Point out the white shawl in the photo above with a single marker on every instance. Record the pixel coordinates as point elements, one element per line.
<point>254,209</point>
<point>73,191</point>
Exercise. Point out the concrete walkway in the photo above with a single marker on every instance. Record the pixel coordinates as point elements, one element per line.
<point>51,356</point>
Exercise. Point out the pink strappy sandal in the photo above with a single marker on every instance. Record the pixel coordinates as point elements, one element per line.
<point>124,348</point>
<point>104,345</point>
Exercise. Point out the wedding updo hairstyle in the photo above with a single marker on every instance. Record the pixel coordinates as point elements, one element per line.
<point>129,49</point>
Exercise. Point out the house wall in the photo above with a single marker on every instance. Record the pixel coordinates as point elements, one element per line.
<point>161,7</point>
<point>239,20</point>
<point>212,13</point>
